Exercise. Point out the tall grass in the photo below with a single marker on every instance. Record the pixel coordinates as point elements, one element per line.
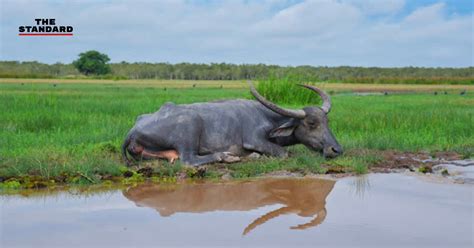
<point>287,90</point>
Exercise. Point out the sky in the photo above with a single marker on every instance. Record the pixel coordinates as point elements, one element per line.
<point>384,33</point>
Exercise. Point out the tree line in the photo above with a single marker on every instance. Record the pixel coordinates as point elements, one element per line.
<point>224,71</point>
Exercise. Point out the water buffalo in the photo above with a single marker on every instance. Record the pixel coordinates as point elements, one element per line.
<point>222,131</point>
<point>303,197</point>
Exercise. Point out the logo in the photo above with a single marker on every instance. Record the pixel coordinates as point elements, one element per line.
<point>45,27</point>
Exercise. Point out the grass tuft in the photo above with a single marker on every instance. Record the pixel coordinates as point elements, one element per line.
<point>287,91</point>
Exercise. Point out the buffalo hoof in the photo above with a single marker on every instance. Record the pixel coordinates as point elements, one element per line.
<point>254,155</point>
<point>229,158</point>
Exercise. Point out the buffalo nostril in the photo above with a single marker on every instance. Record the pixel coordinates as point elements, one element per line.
<point>336,151</point>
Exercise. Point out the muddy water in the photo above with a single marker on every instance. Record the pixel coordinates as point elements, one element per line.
<point>375,210</point>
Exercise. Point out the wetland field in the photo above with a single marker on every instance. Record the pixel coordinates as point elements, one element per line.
<point>63,183</point>
<point>57,132</point>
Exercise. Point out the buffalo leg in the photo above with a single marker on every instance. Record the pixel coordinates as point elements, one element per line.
<point>194,159</point>
<point>170,155</point>
<point>188,150</point>
<point>268,148</point>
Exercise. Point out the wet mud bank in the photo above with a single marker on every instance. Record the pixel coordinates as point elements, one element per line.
<point>448,165</point>
<point>445,166</point>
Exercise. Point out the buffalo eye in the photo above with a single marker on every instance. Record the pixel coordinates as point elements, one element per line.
<point>312,123</point>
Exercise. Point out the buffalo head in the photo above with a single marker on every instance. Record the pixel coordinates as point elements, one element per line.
<point>308,125</point>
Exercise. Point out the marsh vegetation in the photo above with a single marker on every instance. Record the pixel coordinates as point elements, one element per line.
<point>71,132</point>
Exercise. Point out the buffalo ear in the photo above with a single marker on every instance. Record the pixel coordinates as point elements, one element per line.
<point>284,130</point>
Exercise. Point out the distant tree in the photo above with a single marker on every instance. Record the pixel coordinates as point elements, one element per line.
<point>92,62</point>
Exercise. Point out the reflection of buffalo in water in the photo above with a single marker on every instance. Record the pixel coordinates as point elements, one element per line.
<point>304,197</point>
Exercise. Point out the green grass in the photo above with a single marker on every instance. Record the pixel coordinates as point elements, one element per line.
<point>77,129</point>
<point>278,90</point>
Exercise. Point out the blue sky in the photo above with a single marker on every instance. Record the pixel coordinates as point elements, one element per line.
<point>385,33</point>
<point>453,6</point>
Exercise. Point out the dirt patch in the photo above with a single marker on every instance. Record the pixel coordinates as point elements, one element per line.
<point>448,156</point>
<point>146,171</point>
<point>394,161</point>
<point>336,170</point>
<point>390,162</point>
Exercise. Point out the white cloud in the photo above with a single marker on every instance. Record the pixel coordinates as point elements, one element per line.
<point>426,37</point>
<point>310,18</point>
<point>319,32</point>
<point>378,7</point>
<point>426,15</point>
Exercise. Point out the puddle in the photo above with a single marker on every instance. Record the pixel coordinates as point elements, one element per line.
<point>459,171</point>
<point>375,210</point>
<point>461,174</point>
